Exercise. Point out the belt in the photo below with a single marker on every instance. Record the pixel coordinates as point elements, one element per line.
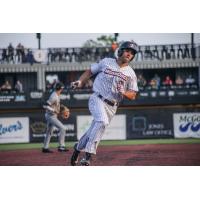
<point>108,101</point>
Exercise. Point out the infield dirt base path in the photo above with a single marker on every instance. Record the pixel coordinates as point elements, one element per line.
<point>130,155</point>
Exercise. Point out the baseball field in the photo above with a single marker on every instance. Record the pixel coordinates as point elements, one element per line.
<point>151,152</point>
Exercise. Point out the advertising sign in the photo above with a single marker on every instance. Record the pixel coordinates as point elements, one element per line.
<point>115,131</point>
<point>38,126</point>
<point>14,130</point>
<point>186,125</point>
<point>149,124</point>
<point>11,98</point>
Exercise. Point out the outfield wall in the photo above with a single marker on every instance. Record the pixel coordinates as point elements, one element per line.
<point>130,123</point>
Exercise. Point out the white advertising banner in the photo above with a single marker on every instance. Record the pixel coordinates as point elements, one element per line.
<point>186,125</point>
<point>14,130</point>
<point>116,130</point>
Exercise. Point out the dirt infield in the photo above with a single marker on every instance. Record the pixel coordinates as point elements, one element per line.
<point>131,155</point>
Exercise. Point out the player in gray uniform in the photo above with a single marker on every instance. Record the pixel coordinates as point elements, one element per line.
<point>115,80</point>
<point>52,107</point>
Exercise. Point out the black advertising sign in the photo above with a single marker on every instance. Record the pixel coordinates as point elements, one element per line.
<point>38,128</point>
<point>149,124</point>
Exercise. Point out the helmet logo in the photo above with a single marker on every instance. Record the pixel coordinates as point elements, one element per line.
<point>132,45</point>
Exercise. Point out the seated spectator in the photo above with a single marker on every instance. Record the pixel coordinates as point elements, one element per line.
<point>190,80</point>
<point>168,81</point>
<point>155,82</point>
<point>18,87</point>
<point>6,86</point>
<point>179,80</point>
<point>141,81</point>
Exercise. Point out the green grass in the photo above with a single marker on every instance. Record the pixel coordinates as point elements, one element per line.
<point>4,147</point>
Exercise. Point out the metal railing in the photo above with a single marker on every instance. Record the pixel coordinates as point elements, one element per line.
<point>70,55</point>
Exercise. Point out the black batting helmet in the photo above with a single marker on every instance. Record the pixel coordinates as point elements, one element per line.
<point>59,86</point>
<point>127,45</point>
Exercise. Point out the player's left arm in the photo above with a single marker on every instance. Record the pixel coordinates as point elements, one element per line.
<point>132,89</point>
<point>131,95</point>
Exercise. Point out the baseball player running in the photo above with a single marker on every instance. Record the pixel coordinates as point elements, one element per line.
<point>52,107</point>
<point>115,79</point>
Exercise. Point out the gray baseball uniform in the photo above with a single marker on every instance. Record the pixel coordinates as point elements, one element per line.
<point>52,110</point>
<point>105,100</point>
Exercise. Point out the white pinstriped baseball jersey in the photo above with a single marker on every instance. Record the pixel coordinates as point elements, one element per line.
<point>109,75</point>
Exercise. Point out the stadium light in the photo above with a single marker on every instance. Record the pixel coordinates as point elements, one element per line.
<point>193,48</point>
<point>38,36</point>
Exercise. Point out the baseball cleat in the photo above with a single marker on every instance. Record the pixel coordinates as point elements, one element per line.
<point>62,149</point>
<point>75,156</point>
<point>85,162</point>
<point>46,150</point>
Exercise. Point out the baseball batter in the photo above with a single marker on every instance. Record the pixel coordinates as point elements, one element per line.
<point>52,107</point>
<point>115,80</point>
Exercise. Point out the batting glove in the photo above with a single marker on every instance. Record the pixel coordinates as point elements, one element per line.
<point>76,84</point>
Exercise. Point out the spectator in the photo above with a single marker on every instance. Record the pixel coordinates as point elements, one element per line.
<point>114,46</point>
<point>18,86</point>
<point>186,52</point>
<point>30,58</point>
<point>147,53</point>
<point>6,86</point>
<point>66,55</point>
<point>97,54</point>
<point>155,82</point>
<point>4,56</point>
<point>164,53</point>
<point>179,80</point>
<point>19,53</point>
<point>155,53</point>
<point>180,52</point>
<point>49,56</point>
<point>172,53</point>
<point>189,80</point>
<point>74,55</point>
<point>139,56</point>
<point>168,81</point>
<point>141,81</point>
<point>10,53</point>
<point>1,52</point>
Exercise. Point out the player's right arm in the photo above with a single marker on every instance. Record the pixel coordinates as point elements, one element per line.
<point>49,104</point>
<point>85,76</point>
<point>82,80</point>
<point>48,107</point>
<point>94,69</point>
